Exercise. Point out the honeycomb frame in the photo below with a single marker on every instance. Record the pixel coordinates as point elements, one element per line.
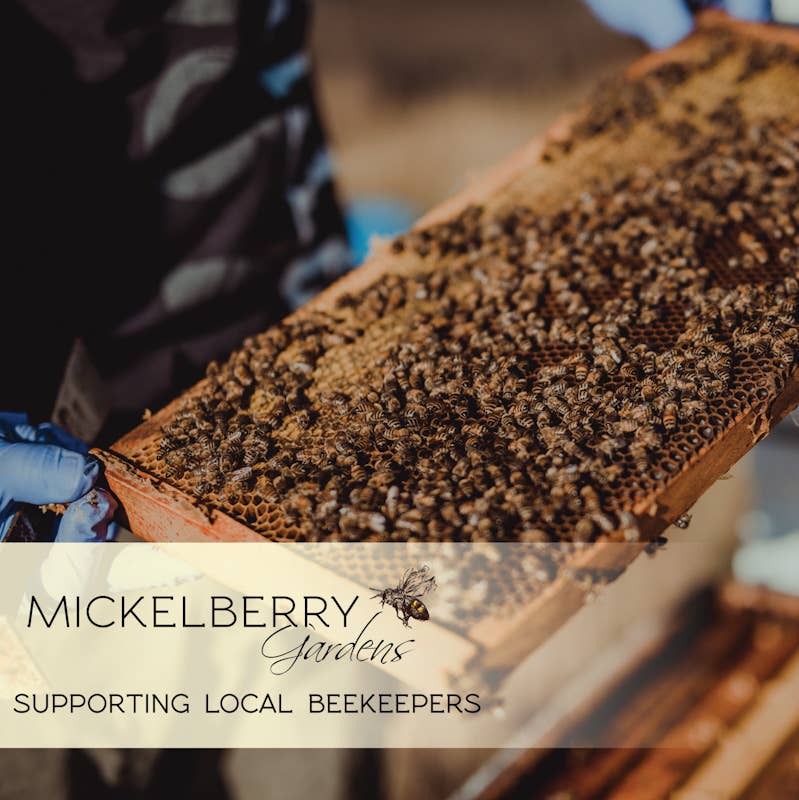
<point>159,511</point>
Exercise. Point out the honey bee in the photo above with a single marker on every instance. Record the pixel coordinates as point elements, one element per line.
<point>628,371</point>
<point>683,521</point>
<point>175,460</point>
<point>629,526</point>
<point>474,429</point>
<point>669,419</point>
<point>581,369</point>
<point>241,475</point>
<point>358,474</point>
<point>557,405</point>
<point>590,498</point>
<point>606,363</point>
<point>405,598</point>
<point>604,521</point>
<point>626,425</point>
<point>692,408</point>
<point>357,521</point>
<point>557,389</point>
<point>607,347</point>
<point>783,352</point>
<point>640,457</point>
<point>610,445</point>
<point>557,371</point>
<point>648,437</point>
<point>584,529</point>
<point>242,374</point>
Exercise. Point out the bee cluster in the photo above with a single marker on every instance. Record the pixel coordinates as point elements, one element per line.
<point>620,102</point>
<point>533,374</point>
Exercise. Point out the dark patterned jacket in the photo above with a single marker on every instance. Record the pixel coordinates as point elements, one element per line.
<point>168,184</point>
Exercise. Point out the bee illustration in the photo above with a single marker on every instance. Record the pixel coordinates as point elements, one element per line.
<point>405,597</point>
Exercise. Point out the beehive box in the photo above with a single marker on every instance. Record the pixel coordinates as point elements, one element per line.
<point>708,713</point>
<point>624,252</point>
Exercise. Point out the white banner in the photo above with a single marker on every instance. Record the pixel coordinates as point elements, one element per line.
<point>300,645</point>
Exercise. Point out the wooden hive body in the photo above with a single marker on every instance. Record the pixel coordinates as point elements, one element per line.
<point>706,713</point>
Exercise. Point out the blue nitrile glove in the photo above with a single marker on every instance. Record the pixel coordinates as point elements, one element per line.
<point>42,465</point>
<point>662,23</point>
<point>90,519</point>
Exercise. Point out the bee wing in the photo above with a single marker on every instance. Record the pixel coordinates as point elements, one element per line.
<point>406,581</point>
<point>427,585</point>
<point>419,581</point>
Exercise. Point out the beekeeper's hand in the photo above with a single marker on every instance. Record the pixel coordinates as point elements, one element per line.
<point>42,465</point>
<point>662,23</point>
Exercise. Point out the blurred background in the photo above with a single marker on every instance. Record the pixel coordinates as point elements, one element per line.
<point>420,96</point>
